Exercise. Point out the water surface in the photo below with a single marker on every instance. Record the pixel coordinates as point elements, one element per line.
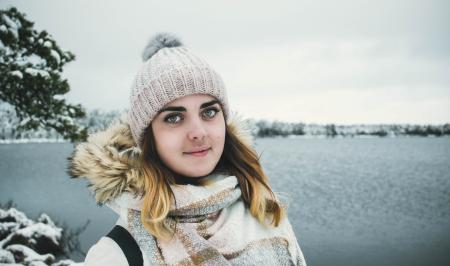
<point>361,201</point>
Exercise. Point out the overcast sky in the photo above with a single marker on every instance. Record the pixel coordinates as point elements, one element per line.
<point>312,61</point>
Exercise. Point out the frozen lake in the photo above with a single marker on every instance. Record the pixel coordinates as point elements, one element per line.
<point>362,201</point>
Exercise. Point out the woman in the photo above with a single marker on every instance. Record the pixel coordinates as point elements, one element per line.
<point>182,174</point>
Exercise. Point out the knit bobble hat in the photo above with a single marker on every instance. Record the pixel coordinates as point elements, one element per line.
<point>170,71</point>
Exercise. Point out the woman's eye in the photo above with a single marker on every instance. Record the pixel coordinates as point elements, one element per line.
<point>172,119</point>
<point>210,113</point>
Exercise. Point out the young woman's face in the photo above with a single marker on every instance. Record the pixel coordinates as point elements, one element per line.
<point>190,134</point>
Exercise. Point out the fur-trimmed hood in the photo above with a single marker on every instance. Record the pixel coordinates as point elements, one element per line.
<point>109,159</point>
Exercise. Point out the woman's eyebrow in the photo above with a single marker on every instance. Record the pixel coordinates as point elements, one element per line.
<point>182,109</point>
<point>204,105</point>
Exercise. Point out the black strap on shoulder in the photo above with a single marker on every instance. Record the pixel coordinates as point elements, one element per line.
<point>128,245</point>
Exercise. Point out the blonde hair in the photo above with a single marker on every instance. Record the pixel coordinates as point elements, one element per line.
<point>238,159</point>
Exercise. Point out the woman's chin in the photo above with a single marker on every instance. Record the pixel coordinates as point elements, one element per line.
<point>192,176</point>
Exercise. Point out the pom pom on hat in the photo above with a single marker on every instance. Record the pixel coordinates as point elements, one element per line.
<point>159,41</point>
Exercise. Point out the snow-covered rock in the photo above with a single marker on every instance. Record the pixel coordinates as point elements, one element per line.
<point>67,263</point>
<point>42,230</point>
<point>24,254</point>
<point>45,219</point>
<point>6,228</point>
<point>15,228</point>
<point>27,242</point>
<point>6,257</point>
<point>3,28</point>
<point>37,263</point>
<point>39,236</point>
<point>16,216</point>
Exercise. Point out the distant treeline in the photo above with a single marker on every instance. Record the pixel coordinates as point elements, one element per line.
<point>98,120</point>
<point>270,129</point>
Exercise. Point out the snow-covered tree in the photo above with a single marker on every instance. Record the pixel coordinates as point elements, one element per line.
<point>31,64</point>
<point>330,130</point>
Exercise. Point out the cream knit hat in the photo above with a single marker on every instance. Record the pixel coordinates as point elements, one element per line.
<point>170,71</point>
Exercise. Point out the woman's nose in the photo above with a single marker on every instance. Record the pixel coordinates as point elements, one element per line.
<point>197,130</point>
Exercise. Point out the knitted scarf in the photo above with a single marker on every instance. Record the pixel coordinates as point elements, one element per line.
<point>214,227</point>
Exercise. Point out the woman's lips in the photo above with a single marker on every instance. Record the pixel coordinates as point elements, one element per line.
<point>199,153</point>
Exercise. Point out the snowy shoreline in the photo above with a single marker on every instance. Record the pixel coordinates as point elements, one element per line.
<point>47,140</point>
<point>34,140</point>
